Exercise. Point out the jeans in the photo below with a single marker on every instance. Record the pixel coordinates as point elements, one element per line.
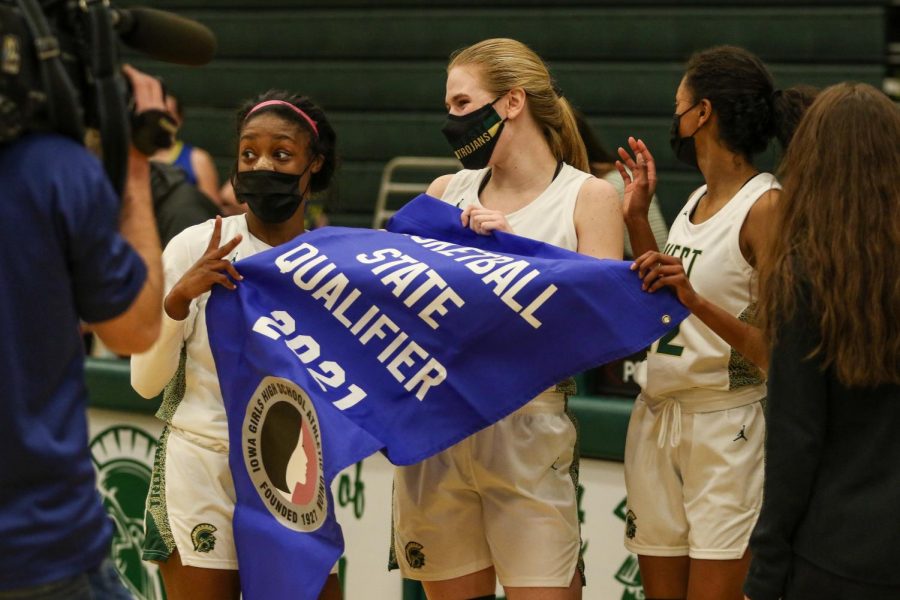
<point>101,583</point>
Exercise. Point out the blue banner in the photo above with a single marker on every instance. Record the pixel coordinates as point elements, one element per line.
<point>344,342</point>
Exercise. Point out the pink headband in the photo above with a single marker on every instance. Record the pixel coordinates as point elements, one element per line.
<point>290,106</point>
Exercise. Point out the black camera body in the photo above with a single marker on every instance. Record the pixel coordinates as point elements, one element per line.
<point>24,100</point>
<point>60,72</point>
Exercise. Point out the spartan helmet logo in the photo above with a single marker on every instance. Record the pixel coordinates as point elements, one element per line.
<point>122,458</point>
<point>414,555</point>
<point>203,538</point>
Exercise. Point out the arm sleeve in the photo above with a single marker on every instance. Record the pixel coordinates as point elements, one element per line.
<point>107,273</point>
<point>153,369</point>
<point>795,422</point>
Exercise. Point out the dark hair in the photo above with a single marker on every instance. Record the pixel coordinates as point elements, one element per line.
<point>596,153</point>
<point>179,109</point>
<point>323,144</point>
<point>837,233</point>
<point>742,93</point>
<point>790,105</point>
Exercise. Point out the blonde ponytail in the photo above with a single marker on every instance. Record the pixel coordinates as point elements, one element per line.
<point>571,145</point>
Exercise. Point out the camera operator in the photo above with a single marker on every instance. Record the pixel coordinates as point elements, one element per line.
<point>70,250</point>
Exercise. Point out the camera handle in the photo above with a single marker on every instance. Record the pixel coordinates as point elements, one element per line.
<point>109,88</point>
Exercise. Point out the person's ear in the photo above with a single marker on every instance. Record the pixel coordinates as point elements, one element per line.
<point>317,164</point>
<point>704,112</point>
<point>515,102</point>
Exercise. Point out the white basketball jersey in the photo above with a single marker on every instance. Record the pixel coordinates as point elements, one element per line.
<point>548,218</point>
<point>691,363</point>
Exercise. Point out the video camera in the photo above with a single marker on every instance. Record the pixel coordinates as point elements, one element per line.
<point>60,72</point>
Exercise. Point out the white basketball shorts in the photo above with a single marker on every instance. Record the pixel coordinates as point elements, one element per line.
<point>505,496</point>
<point>700,497</point>
<point>190,505</point>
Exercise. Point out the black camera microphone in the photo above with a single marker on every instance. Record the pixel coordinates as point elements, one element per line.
<point>164,36</point>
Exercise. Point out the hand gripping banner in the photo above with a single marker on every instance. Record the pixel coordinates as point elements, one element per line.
<point>344,342</point>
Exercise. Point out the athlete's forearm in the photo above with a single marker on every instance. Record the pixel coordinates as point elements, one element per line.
<point>746,339</point>
<point>641,234</point>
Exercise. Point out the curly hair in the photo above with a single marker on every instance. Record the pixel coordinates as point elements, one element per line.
<point>323,144</point>
<point>742,93</point>
<point>837,234</point>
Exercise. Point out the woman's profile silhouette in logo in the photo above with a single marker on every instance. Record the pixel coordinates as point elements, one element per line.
<point>288,451</point>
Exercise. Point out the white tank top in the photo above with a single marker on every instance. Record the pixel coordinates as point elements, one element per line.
<point>192,400</point>
<point>548,218</point>
<point>692,364</point>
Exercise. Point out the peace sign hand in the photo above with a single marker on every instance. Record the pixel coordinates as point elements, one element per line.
<point>212,268</point>
<point>640,184</point>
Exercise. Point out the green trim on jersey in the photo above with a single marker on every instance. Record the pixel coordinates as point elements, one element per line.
<point>742,372</point>
<point>575,474</point>
<point>392,554</point>
<point>159,543</point>
<point>569,387</point>
<point>173,394</point>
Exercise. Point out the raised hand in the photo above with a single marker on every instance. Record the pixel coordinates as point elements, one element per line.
<point>212,268</point>
<point>657,270</point>
<point>146,90</point>
<point>483,221</point>
<point>640,183</point>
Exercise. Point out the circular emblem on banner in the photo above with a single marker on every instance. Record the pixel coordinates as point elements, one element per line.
<point>123,458</point>
<point>282,447</point>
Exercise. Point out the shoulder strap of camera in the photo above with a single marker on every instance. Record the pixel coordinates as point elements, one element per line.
<point>63,107</point>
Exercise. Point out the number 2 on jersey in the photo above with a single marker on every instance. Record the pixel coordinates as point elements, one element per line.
<point>666,346</point>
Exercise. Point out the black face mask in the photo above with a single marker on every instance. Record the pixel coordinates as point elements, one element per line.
<point>685,148</point>
<point>474,135</point>
<point>272,196</point>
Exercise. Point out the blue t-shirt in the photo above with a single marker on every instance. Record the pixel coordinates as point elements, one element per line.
<point>61,260</point>
<point>183,160</point>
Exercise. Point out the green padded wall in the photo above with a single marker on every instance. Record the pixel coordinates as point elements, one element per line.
<point>606,419</point>
<point>378,67</point>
